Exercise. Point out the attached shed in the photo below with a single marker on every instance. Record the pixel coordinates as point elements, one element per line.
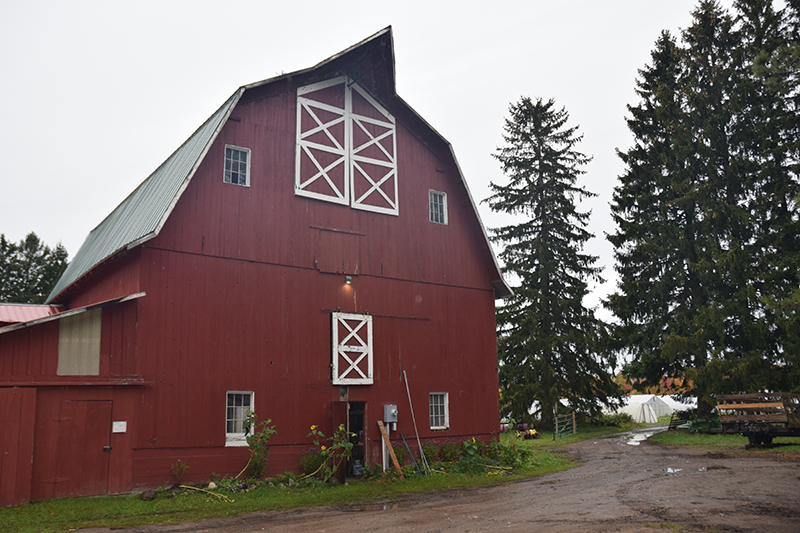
<point>309,246</point>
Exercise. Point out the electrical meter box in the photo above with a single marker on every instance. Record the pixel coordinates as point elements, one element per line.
<point>389,413</point>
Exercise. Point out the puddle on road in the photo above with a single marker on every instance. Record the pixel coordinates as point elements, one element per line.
<point>710,468</point>
<point>673,470</point>
<point>635,438</point>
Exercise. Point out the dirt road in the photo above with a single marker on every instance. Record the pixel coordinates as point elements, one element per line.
<point>619,488</point>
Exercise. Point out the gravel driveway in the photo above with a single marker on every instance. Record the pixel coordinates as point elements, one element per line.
<point>619,488</point>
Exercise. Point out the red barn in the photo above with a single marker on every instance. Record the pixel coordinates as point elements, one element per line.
<point>308,247</point>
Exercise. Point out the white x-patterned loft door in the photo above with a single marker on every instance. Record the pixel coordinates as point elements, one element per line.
<point>346,147</point>
<point>352,349</point>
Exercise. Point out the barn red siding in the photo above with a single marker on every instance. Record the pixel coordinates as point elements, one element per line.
<point>116,277</point>
<point>17,410</point>
<point>266,222</point>
<point>29,353</point>
<point>222,324</point>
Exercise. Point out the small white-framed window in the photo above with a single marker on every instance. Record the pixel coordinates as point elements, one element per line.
<point>439,410</point>
<point>239,403</point>
<point>437,202</point>
<point>237,165</point>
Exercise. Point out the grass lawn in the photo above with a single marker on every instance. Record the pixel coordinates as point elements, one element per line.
<point>131,511</point>
<point>721,442</point>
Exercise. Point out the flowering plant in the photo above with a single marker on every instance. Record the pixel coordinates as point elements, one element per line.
<point>338,449</point>
<point>257,436</point>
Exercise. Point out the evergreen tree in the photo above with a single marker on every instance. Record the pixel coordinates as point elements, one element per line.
<point>657,207</point>
<point>8,252</point>
<point>707,224</point>
<point>548,341</point>
<point>29,270</point>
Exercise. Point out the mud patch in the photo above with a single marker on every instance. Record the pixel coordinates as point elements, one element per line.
<point>766,509</point>
<point>373,507</point>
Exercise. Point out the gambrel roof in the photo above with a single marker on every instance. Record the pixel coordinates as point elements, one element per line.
<point>144,212</point>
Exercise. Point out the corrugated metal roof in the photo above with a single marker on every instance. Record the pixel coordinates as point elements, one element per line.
<point>142,214</point>
<point>16,313</point>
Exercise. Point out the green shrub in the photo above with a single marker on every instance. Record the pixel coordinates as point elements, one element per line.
<point>310,461</point>
<point>618,420</point>
<point>400,452</point>
<point>450,452</point>
<point>431,451</point>
<point>510,454</point>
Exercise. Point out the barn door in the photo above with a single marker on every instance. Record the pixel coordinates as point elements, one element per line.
<point>84,445</point>
<point>322,147</point>
<point>346,147</point>
<point>373,166</point>
<point>352,349</point>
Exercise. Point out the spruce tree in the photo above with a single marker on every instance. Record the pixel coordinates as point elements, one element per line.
<point>29,270</point>
<point>705,210</point>
<point>658,206</point>
<point>548,341</point>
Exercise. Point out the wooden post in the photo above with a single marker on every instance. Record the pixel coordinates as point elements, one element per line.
<point>574,427</point>
<point>391,450</point>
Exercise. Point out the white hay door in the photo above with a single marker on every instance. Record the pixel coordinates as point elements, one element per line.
<point>352,349</point>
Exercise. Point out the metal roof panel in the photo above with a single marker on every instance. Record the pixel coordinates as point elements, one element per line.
<point>142,214</point>
<point>16,313</point>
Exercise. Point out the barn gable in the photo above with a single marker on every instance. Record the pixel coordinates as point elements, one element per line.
<point>364,75</point>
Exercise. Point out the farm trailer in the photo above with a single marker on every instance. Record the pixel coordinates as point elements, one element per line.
<point>760,417</point>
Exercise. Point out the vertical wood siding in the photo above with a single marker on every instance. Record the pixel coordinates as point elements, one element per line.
<point>17,410</point>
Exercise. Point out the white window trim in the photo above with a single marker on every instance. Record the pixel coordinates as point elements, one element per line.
<point>431,193</point>
<point>237,439</point>
<point>446,411</point>
<point>347,154</point>
<point>247,168</point>
<point>358,340</point>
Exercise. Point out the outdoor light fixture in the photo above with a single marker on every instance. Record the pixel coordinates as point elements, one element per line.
<point>348,280</point>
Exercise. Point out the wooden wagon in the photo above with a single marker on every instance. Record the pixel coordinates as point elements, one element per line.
<point>761,416</point>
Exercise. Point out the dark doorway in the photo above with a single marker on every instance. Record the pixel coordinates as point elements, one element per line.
<point>356,426</point>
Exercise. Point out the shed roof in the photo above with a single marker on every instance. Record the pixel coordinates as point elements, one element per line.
<point>144,212</point>
<point>17,313</point>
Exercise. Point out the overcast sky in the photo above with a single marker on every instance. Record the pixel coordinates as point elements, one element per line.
<point>96,94</point>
